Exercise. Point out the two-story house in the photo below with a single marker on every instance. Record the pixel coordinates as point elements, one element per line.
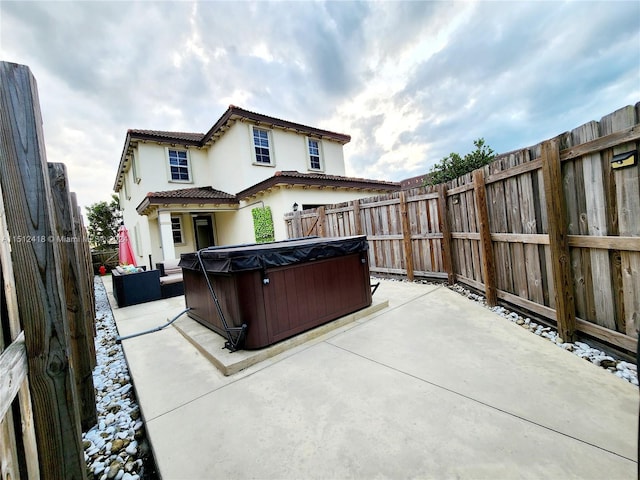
<point>181,192</point>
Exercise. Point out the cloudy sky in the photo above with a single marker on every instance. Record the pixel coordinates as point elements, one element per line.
<point>409,81</point>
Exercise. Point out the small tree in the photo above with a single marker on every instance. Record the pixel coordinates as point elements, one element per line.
<point>454,166</point>
<point>104,221</point>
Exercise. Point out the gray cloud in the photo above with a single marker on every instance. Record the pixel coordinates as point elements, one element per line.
<point>410,81</point>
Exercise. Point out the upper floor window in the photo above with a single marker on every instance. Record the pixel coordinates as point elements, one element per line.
<point>262,146</point>
<point>315,154</point>
<point>179,166</point>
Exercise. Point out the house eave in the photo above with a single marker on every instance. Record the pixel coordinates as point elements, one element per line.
<point>131,142</point>
<point>345,183</point>
<point>150,204</point>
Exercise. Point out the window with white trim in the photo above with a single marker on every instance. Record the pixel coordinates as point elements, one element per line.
<point>262,153</point>
<point>179,169</point>
<point>315,154</point>
<point>176,229</point>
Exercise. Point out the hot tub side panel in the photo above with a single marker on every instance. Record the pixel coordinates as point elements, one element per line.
<point>241,299</point>
<point>306,295</point>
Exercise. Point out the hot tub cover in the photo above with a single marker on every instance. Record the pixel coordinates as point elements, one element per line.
<point>238,258</point>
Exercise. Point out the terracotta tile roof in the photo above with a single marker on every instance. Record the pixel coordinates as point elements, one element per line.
<point>292,177</point>
<point>161,135</point>
<point>195,192</point>
<point>186,195</point>
<point>237,112</point>
<point>415,182</point>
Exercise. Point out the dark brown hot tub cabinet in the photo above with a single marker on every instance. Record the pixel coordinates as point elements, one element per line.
<point>276,289</point>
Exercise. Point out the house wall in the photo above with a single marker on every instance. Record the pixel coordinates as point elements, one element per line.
<point>237,227</point>
<point>282,200</point>
<point>227,166</point>
<point>155,243</point>
<point>234,227</point>
<point>153,165</point>
<point>231,158</point>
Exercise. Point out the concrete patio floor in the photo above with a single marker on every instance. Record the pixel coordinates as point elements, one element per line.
<point>433,386</point>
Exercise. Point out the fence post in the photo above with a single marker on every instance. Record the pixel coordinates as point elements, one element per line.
<point>76,294</point>
<point>86,269</point>
<point>356,217</point>
<point>445,246</point>
<point>27,197</point>
<point>296,224</point>
<point>558,239</point>
<point>486,248</point>
<point>406,237</point>
<point>322,219</point>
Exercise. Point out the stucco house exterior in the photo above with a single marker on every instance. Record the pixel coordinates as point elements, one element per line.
<point>180,192</point>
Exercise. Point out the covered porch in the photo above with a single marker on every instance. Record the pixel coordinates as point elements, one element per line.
<point>185,220</point>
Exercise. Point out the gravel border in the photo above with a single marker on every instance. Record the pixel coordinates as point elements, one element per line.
<point>117,447</point>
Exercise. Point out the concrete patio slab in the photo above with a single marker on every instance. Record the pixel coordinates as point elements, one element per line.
<point>327,413</point>
<point>434,386</point>
<point>212,345</point>
<point>465,348</point>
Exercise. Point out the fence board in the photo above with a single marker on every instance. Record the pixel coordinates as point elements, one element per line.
<point>434,245</point>
<point>406,233</point>
<point>9,463</point>
<point>514,224</point>
<point>75,294</point>
<point>596,225</point>
<point>465,213</point>
<point>9,304</point>
<point>474,244</point>
<point>13,364</point>
<point>87,287</point>
<point>627,182</point>
<point>580,266</point>
<point>498,224</point>
<point>529,226</point>
<point>454,207</point>
<point>444,227</point>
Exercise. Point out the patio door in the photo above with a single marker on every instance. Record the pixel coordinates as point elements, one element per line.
<point>203,230</point>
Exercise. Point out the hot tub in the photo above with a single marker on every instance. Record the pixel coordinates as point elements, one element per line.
<point>276,290</point>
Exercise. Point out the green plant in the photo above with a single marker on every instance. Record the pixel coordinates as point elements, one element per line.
<point>104,220</point>
<point>454,166</point>
<point>263,225</point>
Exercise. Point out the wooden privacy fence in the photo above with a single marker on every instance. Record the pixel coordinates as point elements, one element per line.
<point>553,229</point>
<point>47,311</point>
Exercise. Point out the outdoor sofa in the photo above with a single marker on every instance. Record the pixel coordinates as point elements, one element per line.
<point>131,288</point>
<point>171,284</point>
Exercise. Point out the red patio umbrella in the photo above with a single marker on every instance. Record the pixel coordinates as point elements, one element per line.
<point>125,251</point>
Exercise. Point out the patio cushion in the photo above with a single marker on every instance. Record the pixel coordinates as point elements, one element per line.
<point>172,278</point>
<point>171,267</point>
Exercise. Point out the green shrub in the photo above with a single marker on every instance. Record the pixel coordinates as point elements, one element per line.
<point>263,225</point>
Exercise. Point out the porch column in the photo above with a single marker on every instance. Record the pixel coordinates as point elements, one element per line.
<point>166,235</point>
